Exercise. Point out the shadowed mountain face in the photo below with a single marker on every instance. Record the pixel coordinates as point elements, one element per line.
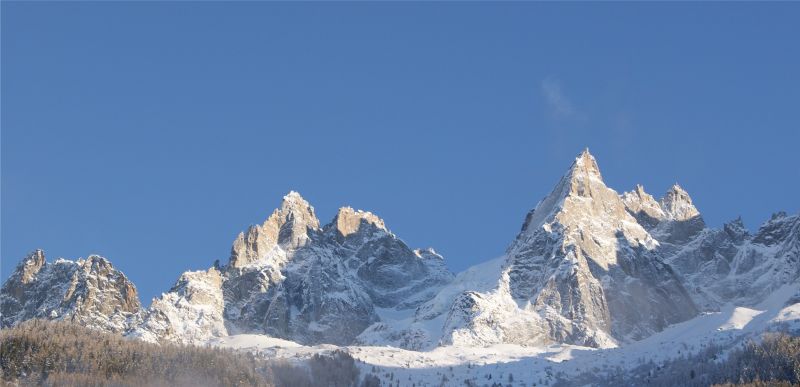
<point>729,265</point>
<point>589,267</point>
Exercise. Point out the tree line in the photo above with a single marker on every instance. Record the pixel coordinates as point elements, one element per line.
<point>770,360</point>
<point>58,353</point>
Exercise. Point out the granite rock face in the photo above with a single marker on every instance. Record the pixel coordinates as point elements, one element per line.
<point>88,291</point>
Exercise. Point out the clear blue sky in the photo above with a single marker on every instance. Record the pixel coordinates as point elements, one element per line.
<point>153,133</point>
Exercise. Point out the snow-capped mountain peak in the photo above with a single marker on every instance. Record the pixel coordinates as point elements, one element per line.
<point>293,221</point>
<point>583,180</point>
<point>582,177</point>
<point>89,291</point>
<point>292,279</point>
<point>581,271</point>
<point>582,260</point>
<point>586,164</point>
<point>289,227</point>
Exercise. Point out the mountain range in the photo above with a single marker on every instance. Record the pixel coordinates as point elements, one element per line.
<point>590,267</point>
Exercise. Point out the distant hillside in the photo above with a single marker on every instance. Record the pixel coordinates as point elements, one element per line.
<point>773,360</point>
<point>57,353</point>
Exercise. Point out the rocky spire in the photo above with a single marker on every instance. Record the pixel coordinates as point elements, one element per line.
<point>642,195</point>
<point>677,205</point>
<point>349,221</point>
<point>24,276</point>
<point>582,179</point>
<point>680,221</point>
<point>643,207</point>
<point>581,203</point>
<point>587,164</point>
<point>289,227</point>
<point>579,176</point>
<point>582,174</point>
<point>292,222</point>
<point>31,265</point>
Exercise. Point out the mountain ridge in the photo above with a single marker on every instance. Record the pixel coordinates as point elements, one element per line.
<point>590,267</point>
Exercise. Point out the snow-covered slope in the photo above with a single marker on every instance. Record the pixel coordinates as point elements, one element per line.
<point>190,313</point>
<point>730,265</point>
<point>421,328</point>
<point>455,365</point>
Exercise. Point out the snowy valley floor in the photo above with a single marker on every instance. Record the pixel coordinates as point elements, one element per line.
<point>519,365</point>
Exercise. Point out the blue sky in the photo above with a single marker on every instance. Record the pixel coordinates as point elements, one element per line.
<point>153,133</point>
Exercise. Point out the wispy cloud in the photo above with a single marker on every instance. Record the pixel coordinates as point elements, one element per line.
<point>558,103</point>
